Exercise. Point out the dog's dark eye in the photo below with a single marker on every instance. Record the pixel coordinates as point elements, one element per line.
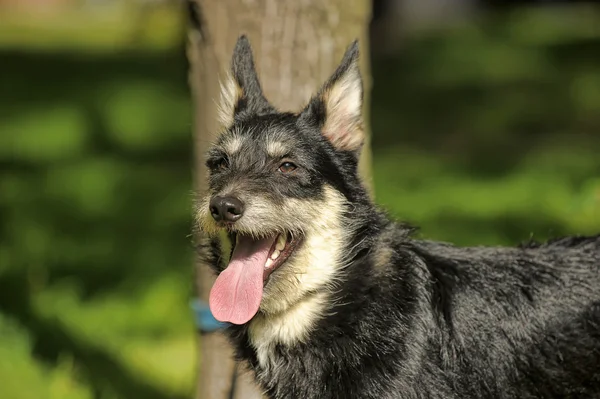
<point>222,163</point>
<point>287,167</point>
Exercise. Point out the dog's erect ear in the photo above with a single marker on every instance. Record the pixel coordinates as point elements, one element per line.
<point>241,91</point>
<point>337,107</point>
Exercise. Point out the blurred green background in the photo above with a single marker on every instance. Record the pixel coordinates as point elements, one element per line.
<point>485,131</point>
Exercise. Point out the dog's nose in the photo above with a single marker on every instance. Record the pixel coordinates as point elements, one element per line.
<point>227,209</point>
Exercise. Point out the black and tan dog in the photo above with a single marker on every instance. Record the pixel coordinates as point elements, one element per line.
<point>329,298</point>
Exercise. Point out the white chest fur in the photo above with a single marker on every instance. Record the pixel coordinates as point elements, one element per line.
<point>287,328</point>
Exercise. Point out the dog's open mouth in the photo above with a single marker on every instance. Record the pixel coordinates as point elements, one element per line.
<point>280,251</point>
<point>235,297</point>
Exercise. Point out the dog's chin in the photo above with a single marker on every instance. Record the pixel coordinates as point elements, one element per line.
<point>283,248</point>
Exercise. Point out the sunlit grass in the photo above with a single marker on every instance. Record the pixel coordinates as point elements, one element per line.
<point>24,378</point>
<point>543,198</point>
<point>151,333</point>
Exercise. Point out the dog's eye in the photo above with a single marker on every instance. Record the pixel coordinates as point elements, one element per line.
<point>287,167</point>
<point>222,163</point>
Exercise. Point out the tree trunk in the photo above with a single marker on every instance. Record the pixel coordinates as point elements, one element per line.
<point>297,45</point>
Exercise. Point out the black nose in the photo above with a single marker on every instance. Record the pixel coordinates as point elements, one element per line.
<point>227,209</point>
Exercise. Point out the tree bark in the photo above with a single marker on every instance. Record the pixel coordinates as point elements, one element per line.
<point>297,45</point>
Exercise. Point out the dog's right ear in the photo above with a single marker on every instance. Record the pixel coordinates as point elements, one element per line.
<point>241,91</point>
<point>337,107</point>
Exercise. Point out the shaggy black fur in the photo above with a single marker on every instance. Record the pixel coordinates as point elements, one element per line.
<point>437,321</point>
<point>421,319</point>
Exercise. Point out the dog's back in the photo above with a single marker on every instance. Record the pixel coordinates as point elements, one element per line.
<point>516,322</point>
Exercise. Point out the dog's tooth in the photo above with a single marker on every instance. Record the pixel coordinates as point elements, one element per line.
<point>275,254</point>
<point>268,263</point>
<point>280,243</point>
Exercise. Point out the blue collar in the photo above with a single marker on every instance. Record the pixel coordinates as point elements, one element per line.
<point>205,321</point>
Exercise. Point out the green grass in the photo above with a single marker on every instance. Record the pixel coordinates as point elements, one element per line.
<point>23,378</point>
<point>151,333</point>
<point>548,194</point>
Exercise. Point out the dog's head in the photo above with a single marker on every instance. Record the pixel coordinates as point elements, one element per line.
<point>283,184</point>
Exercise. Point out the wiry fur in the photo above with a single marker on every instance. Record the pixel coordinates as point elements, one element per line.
<point>230,95</point>
<point>341,98</point>
<point>363,310</point>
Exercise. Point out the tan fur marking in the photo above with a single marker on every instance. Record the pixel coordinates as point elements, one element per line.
<point>233,144</point>
<point>285,328</point>
<point>382,255</point>
<point>276,149</point>
<point>231,93</point>
<point>343,101</point>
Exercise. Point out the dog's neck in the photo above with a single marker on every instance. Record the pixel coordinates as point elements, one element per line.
<point>293,326</point>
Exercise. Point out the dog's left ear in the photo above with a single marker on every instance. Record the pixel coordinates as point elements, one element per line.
<point>241,91</point>
<point>337,107</point>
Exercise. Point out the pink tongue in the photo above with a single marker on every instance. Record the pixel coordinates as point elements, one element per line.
<point>236,295</point>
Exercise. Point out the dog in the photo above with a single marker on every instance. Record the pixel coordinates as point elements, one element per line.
<point>326,297</point>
